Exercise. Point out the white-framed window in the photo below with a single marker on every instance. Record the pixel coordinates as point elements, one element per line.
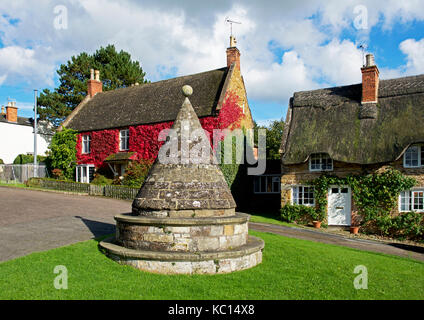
<point>412,200</point>
<point>124,140</point>
<point>266,184</point>
<point>85,173</point>
<point>86,141</point>
<point>320,162</point>
<point>303,195</point>
<point>414,157</point>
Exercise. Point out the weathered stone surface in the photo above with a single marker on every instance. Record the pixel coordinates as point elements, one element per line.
<point>229,230</point>
<point>183,220</point>
<point>225,262</point>
<point>185,186</point>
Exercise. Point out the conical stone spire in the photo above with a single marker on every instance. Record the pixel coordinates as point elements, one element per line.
<point>184,181</point>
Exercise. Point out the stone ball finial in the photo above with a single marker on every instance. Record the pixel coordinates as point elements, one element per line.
<point>187,90</point>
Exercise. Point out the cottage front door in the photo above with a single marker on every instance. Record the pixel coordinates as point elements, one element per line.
<point>339,206</point>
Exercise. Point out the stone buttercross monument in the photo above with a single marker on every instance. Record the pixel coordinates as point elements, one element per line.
<point>183,219</point>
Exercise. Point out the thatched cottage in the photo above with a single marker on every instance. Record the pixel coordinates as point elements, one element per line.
<point>354,129</point>
<point>120,126</point>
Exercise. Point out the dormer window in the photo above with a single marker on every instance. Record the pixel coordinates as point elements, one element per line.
<point>124,138</point>
<point>320,162</point>
<point>414,157</point>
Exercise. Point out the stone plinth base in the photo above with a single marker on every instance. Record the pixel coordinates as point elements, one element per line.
<point>241,258</point>
<point>182,234</point>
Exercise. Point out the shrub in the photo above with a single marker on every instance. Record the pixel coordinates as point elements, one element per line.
<point>33,182</point>
<point>136,173</point>
<point>101,180</point>
<point>27,158</point>
<point>63,152</point>
<point>58,174</point>
<point>298,213</point>
<point>1,161</point>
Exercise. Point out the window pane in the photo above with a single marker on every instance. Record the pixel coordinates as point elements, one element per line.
<point>303,195</point>
<point>422,156</point>
<point>268,184</point>
<point>315,162</point>
<point>334,190</point>
<point>405,201</point>
<point>411,156</point>
<point>345,190</point>
<point>418,200</point>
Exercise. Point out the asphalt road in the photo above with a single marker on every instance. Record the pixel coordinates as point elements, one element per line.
<point>32,221</point>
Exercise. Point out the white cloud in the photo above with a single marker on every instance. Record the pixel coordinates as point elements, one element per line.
<point>415,55</point>
<point>22,65</point>
<point>174,37</point>
<point>280,80</point>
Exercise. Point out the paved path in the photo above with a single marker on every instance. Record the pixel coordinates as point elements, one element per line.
<point>397,249</point>
<point>33,221</point>
<point>36,220</point>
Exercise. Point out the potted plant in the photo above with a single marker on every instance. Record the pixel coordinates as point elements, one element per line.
<point>317,224</point>
<point>354,229</point>
<point>317,219</point>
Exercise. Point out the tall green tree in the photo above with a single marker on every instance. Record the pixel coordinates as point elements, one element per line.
<point>62,154</point>
<point>274,134</point>
<point>117,70</point>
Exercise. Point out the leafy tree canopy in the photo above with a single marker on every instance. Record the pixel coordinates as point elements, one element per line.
<point>117,70</point>
<point>274,134</point>
<point>62,153</point>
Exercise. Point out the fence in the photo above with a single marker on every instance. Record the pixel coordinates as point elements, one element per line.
<point>21,172</point>
<point>116,192</point>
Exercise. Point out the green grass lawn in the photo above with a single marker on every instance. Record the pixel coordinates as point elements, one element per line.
<point>292,269</point>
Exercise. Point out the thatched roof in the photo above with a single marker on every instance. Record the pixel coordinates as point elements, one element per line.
<point>149,103</point>
<point>333,121</point>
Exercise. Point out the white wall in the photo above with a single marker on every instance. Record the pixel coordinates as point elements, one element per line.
<point>17,139</point>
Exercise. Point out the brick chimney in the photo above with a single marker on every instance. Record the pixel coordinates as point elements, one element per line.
<point>370,81</point>
<point>233,54</point>
<point>94,85</point>
<point>11,112</point>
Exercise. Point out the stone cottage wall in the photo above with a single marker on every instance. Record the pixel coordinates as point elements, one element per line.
<point>298,174</point>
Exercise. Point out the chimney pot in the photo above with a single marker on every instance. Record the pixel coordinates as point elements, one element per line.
<point>94,85</point>
<point>2,110</point>
<point>11,112</point>
<point>370,81</point>
<point>370,60</point>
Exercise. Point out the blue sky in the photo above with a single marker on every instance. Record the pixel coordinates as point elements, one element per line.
<point>286,46</point>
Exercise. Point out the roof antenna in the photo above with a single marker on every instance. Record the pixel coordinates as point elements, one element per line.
<point>232,38</point>
<point>363,47</point>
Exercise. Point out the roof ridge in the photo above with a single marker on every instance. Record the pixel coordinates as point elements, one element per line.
<point>419,76</point>
<point>162,81</point>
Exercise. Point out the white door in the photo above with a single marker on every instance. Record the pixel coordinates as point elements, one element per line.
<point>339,206</point>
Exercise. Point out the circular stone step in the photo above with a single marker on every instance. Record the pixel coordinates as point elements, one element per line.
<point>241,258</point>
<point>182,234</point>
